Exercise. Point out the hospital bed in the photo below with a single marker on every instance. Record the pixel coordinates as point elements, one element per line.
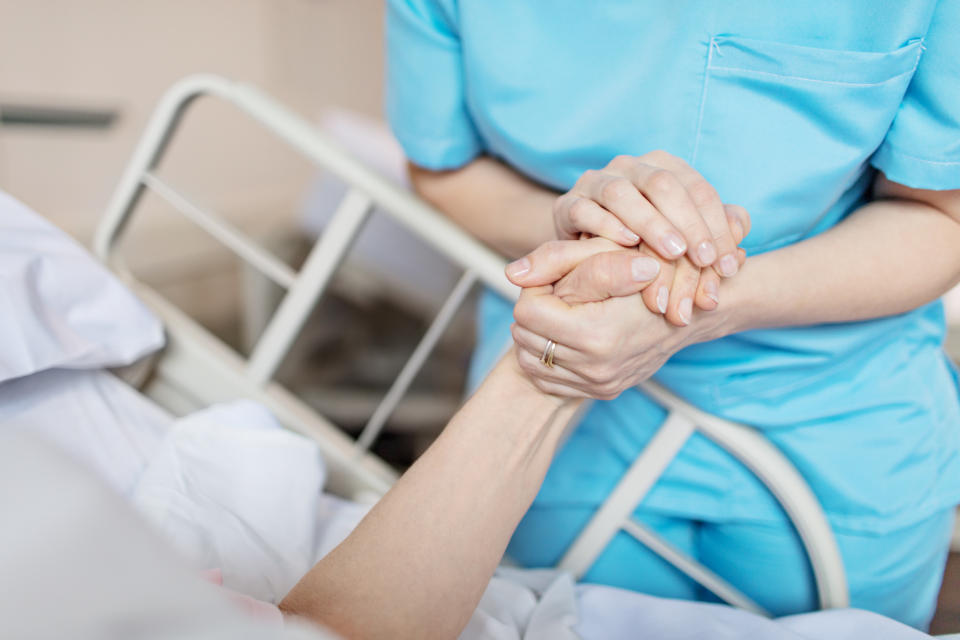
<point>196,369</point>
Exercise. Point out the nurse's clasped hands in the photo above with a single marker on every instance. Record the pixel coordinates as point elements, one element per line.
<point>657,198</point>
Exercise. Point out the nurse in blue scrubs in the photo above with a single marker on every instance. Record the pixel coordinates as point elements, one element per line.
<point>837,126</point>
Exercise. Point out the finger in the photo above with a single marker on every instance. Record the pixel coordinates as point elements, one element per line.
<point>551,379</point>
<point>621,197</point>
<point>708,290</point>
<point>552,260</point>
<point>581,385</point>
<point>736,215</point>
<point>573,215</point>
<point>664,190</point>
<point>682,293</point>
<point>739,221</point>
<point>707,201</point>
<point>742,217</point>
<point>535,344</point>
<point>657,294</point>
<point>548,315</point>
<point>607,275</point>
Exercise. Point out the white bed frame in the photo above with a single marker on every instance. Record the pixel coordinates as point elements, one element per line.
<point>196,369</point>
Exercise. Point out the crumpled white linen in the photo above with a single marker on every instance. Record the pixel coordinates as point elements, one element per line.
<point>94,416</point>
<point>546,605</point>
<point>59,307</point>
<point>527,604</point>
<point>235,491</point>
<point>77,563</point>
<point>607,612</point>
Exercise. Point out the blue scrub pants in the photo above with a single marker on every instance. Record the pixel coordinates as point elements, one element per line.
<point>896,574</point>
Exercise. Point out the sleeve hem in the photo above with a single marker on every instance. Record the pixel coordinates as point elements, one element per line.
<point>914,172</point>
<point>438,154</point>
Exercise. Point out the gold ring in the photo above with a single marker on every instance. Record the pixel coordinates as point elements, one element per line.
<point>546,358</point>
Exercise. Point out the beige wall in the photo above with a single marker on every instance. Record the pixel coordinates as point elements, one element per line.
<point>123,54</point>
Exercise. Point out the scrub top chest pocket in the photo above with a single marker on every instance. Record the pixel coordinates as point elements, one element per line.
<point>786,130</point>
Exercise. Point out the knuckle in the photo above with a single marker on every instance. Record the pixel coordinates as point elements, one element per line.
<point>608,391</point>
<point>615,190</point>
<point>661,182</point>
<point>579,211</point>
<point>601,276</point>
<point>590,175</point>
<point>601,346</point>
<point>621,161</point>
<point>657,155</point>
<point>593,343</point>
<point>522,313</point>
<point>703,194</point>
<point>592,373</point>
<point>737,210</point>
<point>550,252</point>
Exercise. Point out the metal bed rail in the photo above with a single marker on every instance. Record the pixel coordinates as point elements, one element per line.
<point>196,368</point>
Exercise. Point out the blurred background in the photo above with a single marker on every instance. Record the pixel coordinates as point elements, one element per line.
<point>78,81</point>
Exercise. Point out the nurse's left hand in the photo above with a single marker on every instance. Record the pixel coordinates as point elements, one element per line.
<point>657,198</point>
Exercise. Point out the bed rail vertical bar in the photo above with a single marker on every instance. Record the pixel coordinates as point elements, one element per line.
<point>316,273</point>
<point>696,571</point>
<point>413,365</point>
<point>623,500</point>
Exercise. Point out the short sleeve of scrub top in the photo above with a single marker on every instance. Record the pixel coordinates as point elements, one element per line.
<point>922,147</point>
<point>426,105</point>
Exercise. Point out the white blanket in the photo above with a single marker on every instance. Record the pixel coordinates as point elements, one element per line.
<point>235,491</point>
<point>92,415</point>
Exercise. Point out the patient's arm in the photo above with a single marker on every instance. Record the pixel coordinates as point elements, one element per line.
<point>418,564</point>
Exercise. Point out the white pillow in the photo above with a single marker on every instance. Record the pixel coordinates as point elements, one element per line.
<point>59,307</point>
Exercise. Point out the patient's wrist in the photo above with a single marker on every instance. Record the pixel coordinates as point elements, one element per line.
<point>519,385</point>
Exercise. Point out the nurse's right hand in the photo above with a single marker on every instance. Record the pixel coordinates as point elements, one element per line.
<point>659,199</point>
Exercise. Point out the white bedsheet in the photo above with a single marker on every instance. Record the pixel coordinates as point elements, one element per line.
<point>232,490</point>
<point>92,415</point>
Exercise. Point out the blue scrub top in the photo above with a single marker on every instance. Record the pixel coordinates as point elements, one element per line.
<point>787,108</point>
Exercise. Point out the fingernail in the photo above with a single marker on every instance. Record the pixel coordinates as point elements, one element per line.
<point>728,265</point>
<point>706,252</point>
<point>629,236</point>
<point>684,310</point>
<point>663,296</point>
<point>644,269</point>
<point>673,244</point>
<point>712,291</point>
<point>518,268</point>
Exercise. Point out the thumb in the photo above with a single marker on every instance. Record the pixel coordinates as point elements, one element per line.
<point>605,275</point>
<point>552,260</point>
